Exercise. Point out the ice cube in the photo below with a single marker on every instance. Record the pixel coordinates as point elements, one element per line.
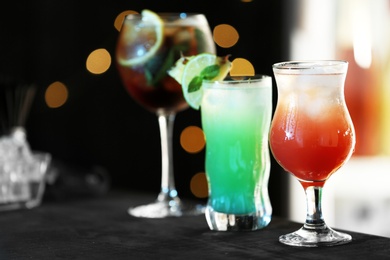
<point>20,168</point>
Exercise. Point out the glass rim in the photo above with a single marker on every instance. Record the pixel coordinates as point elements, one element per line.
<point>308,64</point>
<point>165,15</point>
<point>320,66</point>
<point>231,81</point>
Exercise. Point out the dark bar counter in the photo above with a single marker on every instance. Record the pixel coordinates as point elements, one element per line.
<point>100,228</point>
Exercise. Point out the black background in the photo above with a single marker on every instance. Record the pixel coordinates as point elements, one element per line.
<point>46,41</point>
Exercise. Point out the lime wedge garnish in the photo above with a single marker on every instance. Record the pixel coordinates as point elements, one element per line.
<point>132,37</point>
<point>191,71</point>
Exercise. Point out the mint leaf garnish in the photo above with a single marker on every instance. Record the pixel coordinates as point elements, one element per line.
<point>195,84</point>
<point>207,73</point>
<point>210,72</point>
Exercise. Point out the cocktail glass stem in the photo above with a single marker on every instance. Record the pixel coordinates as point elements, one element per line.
<point>167,203</point>
<point>314,218</point>
<point>168,193</point>
<point>315,232</point>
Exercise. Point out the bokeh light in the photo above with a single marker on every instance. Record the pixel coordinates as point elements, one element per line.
<point>56,95</point>
<point>199,185</point>
<point>192,139</point>
<point>120,17</point>
<point>242,67</point>
<point>225,35</point>
<point>98,61</point>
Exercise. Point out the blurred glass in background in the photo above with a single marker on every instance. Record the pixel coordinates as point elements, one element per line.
<point>357,31</point>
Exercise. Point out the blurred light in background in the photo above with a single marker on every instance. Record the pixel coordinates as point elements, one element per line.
<point>242,67</point>
<point>363,41</point>
<point>192,139</point>
<point>312,33</point>
<point>120,17</point>
<point>199,185</point>
<point>56,95</point>
<point>98,61</point>
<point>225,35</point>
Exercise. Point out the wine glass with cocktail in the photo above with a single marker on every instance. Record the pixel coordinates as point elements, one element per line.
<point>148,46</point>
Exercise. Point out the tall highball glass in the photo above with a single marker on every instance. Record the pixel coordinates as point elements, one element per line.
<point>236,116</point>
